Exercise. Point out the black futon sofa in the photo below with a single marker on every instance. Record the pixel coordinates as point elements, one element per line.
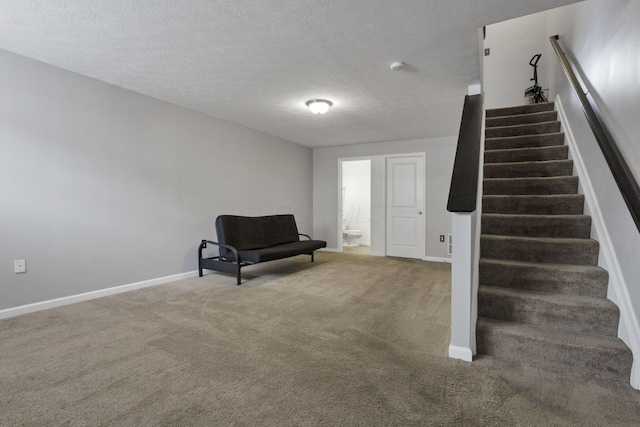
<point>244,240</point>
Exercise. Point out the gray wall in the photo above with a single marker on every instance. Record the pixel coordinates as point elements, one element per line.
<point>604,37</point>
<point>103,187</point>
<point>507,72</point>
<point>440,153</point>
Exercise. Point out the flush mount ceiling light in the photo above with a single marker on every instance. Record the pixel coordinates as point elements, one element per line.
<point>319,106</point>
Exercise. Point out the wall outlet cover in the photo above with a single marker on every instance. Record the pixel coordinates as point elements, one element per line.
<point>20,266</point>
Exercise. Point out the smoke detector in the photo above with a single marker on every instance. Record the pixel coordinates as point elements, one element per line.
<point>397,65</point>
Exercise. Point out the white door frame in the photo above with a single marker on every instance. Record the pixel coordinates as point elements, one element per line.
<point>378,199</point>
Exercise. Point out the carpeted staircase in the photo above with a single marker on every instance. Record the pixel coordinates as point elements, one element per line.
<point>542,299</point>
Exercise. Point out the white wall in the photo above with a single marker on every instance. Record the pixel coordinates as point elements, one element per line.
<point>104,187</point>
<point>440,153</point>
<point>604,38</point>
<point>356,201</point>
<point>506,71</point>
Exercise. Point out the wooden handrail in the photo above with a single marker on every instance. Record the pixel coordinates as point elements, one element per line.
<point>619,168</point>
<point>463,193</point>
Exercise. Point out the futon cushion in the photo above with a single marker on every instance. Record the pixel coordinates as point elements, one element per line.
<point>279,229</point>
<point>307,246</point>
<point>267,254</point>
<point>249,233</point>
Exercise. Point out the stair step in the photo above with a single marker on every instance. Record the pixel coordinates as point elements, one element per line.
<point>533,154</point>
<point>521,109</point>
<point>584,354</point>
<point>559,204</point>
<point>542,297</point>
<point>572,226</point>
<point>530,186</point>
<point>540,249</point>
<point>526,129</point>
<point>567,313</point>
<point>584,280</point>
<point>520,119</point>
<point>528,169</point>
<point>524,141</point>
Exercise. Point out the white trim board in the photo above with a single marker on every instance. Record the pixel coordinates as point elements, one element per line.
<point>629,330</point>
<point>437,259</point>
<point>460,353</point>
<point>58,302</point>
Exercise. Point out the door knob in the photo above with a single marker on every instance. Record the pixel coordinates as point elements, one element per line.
<point>419,212</point>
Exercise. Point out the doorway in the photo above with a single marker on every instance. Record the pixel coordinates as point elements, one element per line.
<point>379,169</point>
<point>355,213</point>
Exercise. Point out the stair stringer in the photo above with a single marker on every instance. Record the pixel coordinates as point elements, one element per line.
<point>629,328</point>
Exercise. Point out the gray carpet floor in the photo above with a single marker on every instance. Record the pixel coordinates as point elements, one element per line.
<point>350,340</point>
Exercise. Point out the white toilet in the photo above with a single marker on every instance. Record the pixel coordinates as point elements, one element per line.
<point>351,237</point>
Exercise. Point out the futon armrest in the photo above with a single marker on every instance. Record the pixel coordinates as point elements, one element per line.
<point>203,245</point>
<point>305,235</point>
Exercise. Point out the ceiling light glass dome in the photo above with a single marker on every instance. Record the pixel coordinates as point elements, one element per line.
<point>319,106</point>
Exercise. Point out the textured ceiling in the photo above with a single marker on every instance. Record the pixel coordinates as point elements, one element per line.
<point>256,62</point>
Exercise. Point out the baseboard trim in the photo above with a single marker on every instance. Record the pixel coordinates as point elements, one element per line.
<point>436,259</point>
<point>58,302</point>
<point>460,353</point>
<point>329,250</point>
<point>629,332</point>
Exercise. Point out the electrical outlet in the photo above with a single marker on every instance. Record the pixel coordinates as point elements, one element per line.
<point>487,52</point>
<point>442,238</point>
<point>20,266</point>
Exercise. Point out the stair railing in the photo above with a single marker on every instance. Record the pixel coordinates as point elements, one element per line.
<point>619,168</point>
<point>464,193</point>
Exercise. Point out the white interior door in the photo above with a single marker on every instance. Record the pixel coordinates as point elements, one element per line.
<point>405,207</point>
